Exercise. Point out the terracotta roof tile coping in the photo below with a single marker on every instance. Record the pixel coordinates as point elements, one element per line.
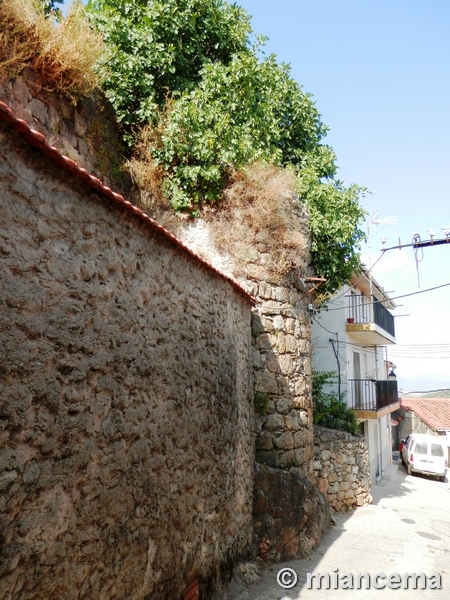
<point>435,412</point>
<point>38,140</point>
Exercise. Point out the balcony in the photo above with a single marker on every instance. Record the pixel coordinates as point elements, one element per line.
<point>369,321</point>
<point>372,399</point>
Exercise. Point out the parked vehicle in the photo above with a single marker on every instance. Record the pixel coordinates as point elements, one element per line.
<point>426,454</point>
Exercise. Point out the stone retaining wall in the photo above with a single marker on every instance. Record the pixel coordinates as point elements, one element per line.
<point>281,340</point>
<point>341,468</point>
<point>281,329</point>
<point>126,413</point>
<point>87,132</point>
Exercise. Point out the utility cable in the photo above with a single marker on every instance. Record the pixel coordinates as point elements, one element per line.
<point>362,277</point>
<point>336,352</point>
<point>437,287</point>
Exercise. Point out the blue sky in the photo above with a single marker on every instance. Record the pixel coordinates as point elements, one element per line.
<point>378,72</point>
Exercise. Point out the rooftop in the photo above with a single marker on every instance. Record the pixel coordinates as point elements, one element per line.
<point>435,412</point>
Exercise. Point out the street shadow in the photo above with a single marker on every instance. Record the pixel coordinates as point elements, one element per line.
<point>309,565</point>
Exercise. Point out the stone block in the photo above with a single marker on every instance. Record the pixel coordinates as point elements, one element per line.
<point>289,509</point>
<point>281,294</point>
<point>265,290</point>
<point>278,323</point>
<point>325,455</point>
<point>20,91</point>
<point>286,365</point>
<point>286,459</point>
<point>274,422</point>
<point>38,109</point>
<point>272,362</point>
<point>322,485</point>
<point>344,486</point>
<point>265,382</point>
<point>291,344</point>
<point>284,441</point>
<point>264,441</point>
<point>290,325</point>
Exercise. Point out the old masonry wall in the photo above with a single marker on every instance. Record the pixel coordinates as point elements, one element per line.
<point>126,398</point>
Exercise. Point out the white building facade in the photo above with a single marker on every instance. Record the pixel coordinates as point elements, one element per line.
<point>351,339</point>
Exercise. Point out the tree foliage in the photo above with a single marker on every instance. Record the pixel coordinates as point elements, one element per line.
<point>241,112</point>
<point>192,72</point>
<point>335,218</point>
<point>49,7</point>
<point>157,48</point>
<point>330,410</point>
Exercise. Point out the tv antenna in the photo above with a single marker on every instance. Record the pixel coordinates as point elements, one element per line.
<point>374,220</point>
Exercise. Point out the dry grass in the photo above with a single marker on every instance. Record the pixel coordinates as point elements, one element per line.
<point>260,220</point>
<point>63,54</point>
<point>148,176</point>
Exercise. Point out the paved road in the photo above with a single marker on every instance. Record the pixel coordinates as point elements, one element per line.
<point>407,529</point>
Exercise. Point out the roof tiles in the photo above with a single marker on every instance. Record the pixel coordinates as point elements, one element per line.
<point>435,412</point>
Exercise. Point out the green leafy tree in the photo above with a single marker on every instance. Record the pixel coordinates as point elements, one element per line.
<point>49,7</point>
<point>187,70</point>
<point>157,48</point>
<point>330,410</point>
<point>335,218</point>
<point>240,112</point>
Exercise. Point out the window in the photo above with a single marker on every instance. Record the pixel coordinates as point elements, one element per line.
<point>437,450</point>
<point>421,448</point>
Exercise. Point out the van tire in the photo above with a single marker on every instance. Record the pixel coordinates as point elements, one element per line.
<point>408,469</point>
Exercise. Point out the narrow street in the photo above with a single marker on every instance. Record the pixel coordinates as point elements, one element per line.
<point>406,530</point>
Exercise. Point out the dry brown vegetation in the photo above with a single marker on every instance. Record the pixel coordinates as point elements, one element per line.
<point>258,219</point>
<point>63,54</point>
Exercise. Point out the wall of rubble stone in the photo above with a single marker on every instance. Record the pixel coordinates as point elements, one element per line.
<point>281,346</point>
<point>341,468</point>
<point>86,132</point>
<point>281,330</point>
<point>126,416</point>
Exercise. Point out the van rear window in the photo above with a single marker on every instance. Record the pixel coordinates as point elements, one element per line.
<point>421,448</point>
<point>437,450</point>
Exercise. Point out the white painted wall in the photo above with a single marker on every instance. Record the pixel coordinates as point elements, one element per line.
<point>326,325</point>
<point>378,437</point>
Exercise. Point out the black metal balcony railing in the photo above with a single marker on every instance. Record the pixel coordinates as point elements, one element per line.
<point>383,317</point>
<point>367,309</point>
<point>367,394</point>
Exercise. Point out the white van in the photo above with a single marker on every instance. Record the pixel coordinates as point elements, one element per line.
<point>425,453</point>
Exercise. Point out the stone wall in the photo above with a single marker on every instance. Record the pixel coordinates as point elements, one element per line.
<point>87,132</point>
<point>281,329</point>
<point>281,345</point>
<point>290,516</point>
<point>126,412</point>
<point>341,468</point>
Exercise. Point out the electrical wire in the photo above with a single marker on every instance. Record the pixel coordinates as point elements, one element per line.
<point>362,276</point>
<point>335,351</point>
<point>437,287</point>
<point>327,330</point>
